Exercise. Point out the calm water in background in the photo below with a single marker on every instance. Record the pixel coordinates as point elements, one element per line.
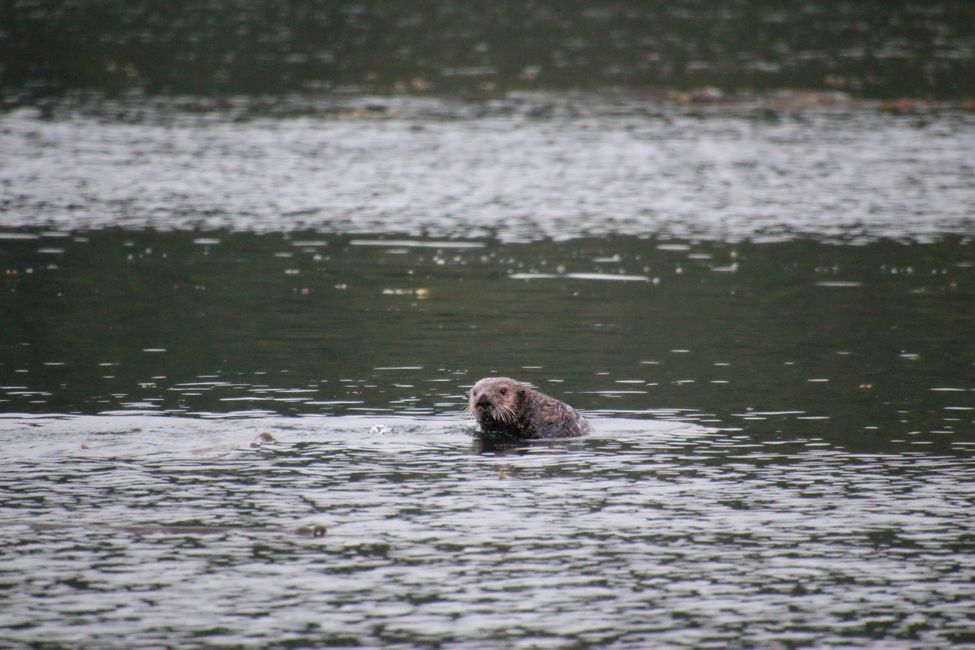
<point>768,315</point>
<point>918,48</point>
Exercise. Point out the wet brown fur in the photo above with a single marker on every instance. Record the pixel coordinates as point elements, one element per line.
<point>507,407</point>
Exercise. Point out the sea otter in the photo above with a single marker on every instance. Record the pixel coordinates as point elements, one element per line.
<point>508,408</point>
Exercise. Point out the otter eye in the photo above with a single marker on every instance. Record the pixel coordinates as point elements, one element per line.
<point>504,391</point>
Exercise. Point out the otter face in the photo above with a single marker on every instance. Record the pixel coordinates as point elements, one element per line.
<point>497,399</point>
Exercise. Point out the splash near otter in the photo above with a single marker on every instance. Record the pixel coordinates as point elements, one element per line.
<point>509,408</point>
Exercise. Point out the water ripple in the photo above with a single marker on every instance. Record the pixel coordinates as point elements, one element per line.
<point>604,165</point>
<point>649,532</point>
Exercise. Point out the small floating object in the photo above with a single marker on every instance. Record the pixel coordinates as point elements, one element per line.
<point>379,429</point>
<point>262,438</point>
<point>311,531</point>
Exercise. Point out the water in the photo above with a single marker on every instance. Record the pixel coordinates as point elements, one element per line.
<point>529,167</point>
<point>648,532</point>
<point>866,341</point>
<point>917,48</point>
<point>765,311</point>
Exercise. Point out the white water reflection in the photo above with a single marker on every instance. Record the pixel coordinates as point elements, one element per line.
<point>648,533</point>
<point>596,168</point>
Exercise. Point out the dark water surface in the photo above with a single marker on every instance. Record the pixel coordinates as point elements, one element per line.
<point>767,314</point>
<point>918,48</point>
<point>864,344</point>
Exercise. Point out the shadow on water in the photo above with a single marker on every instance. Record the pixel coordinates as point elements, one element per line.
<point>511,447</point>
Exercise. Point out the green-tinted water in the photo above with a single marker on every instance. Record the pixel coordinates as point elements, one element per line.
<point>765,311</point>
<point>863,344</point>
<point>908,47</point>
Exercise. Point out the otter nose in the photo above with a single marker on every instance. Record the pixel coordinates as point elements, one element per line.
<point>483,401</point>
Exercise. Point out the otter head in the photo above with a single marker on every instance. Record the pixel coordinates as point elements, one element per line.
<point>497,400</point>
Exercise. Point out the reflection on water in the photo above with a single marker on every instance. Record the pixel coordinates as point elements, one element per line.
<point>646,533</point>
<point>765,313</point>
<point>869,343</point>
<point>525,168</point>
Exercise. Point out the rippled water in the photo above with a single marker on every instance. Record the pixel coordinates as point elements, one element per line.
<point>661,533</point>
<point>766,313</point>
<point>909,47</point>
<point>530,167</point>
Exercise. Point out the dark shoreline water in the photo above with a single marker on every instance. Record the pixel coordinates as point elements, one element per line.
<point>907,48</point>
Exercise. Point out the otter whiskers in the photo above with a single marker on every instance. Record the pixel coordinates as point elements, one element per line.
<point>503,413</point>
